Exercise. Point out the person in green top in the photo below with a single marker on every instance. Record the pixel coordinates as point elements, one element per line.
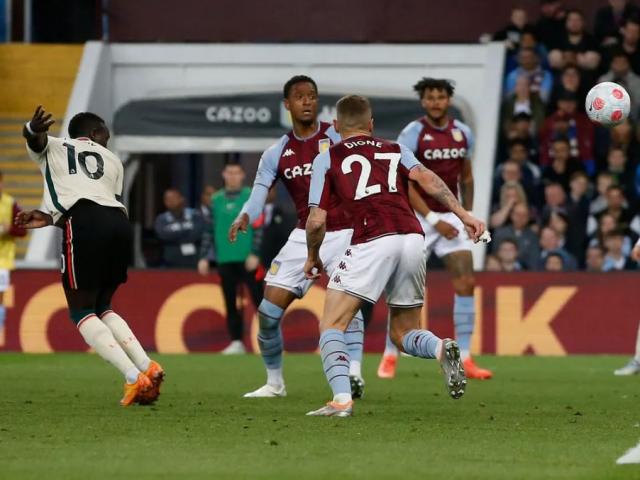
<point>237,262</point>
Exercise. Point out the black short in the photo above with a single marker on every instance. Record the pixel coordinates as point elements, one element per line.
<point>97,245</point>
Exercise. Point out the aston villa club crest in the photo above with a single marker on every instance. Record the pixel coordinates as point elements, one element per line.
<point>323,145</point>
<point>457,135</point>
<point>275,266</point>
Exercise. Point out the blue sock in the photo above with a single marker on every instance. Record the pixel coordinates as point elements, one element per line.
<point>390,347</point>
<point>420,343</point>
<point>354,338</point>
<point>270,334</point>
<point>464,315</point>
<point>3,315</point>
<point>335,361</point>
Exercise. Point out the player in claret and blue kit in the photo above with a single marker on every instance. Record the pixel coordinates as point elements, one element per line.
<point>445,146</point>
<point>290,161</point>
<point>370,177</point>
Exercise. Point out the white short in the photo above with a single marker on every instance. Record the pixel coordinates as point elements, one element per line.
<point>286,269</point>
<point>434,242</point>
<point>5,280</point>
<point>394,264</point>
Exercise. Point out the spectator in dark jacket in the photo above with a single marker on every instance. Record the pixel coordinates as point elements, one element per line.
<point>610,19</point>
<point>562,165</point>
<point>577,46</point>
<point>550,243</point>
<point>512,32</point>
<point>568,122</point>
<point>521,231</point>
<point>179,229</point>
<point>550,25</point>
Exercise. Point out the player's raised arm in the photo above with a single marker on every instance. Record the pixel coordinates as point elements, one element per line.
<point>35,130</point>
<point>252,209</point>
<point>434,186</point>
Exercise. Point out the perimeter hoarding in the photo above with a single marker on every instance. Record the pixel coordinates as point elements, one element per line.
<point>180,312</point>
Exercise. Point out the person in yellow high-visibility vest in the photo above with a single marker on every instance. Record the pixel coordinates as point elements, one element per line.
<point>8,234</point>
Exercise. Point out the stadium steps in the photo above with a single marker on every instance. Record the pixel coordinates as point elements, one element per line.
<point>31,75</point>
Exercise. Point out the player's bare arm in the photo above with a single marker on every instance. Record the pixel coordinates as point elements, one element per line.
<point>466,185</point>
<point>419,205</point>
<point>33,219</point>
<point>434,186</point>
<point>316,227</point>
<point>239,224</point>
<point>35,130</point>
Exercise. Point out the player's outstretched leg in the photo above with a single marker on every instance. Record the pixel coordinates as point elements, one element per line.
<point>271,347</point>
<point>424,344</point>
<point>99,337</point>
<point>130,344</point>
<point>354,338</point>
<point>389,360</point>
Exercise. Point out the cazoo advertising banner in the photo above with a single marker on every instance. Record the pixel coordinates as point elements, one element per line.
<point>180,312</point>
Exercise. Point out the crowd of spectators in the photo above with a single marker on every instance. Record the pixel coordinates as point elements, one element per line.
<point>566,192</point>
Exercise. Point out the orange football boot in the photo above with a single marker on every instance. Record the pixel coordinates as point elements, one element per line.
<point>133,390</point>
<point>471,370</point>
<point>155,373</point>
<point>387,367</point>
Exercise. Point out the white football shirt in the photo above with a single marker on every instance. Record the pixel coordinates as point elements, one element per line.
<point>77,168</point>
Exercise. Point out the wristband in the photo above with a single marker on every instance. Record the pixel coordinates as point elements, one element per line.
<point>28,127</point>
<point>432,218</point>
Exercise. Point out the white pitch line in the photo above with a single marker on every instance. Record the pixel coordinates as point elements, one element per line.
<point>631,456</point>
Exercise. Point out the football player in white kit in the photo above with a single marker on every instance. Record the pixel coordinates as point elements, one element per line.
<point>83,187</point>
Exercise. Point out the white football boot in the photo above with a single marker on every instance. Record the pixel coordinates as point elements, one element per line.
<point>267,391</point>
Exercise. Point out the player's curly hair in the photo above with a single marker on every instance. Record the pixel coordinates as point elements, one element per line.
<point>83,123</point>
<point>298,79</point>
<point>428,83</point>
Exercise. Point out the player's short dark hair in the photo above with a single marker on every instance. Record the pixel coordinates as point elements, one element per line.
<point>353,111</point>
<point>295,80</point>
<point>631,19</point>
<point>83,123</point>
<point>428,83</point>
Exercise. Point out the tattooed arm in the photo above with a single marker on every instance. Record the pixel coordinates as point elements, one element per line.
<point>434,186</point>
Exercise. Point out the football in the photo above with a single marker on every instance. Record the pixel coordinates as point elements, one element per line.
<point>607,104</point>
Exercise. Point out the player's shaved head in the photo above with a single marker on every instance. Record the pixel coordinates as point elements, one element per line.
<point>354,113</point>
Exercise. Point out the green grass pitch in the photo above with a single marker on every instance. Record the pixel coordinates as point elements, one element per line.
<point>539,418</point>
